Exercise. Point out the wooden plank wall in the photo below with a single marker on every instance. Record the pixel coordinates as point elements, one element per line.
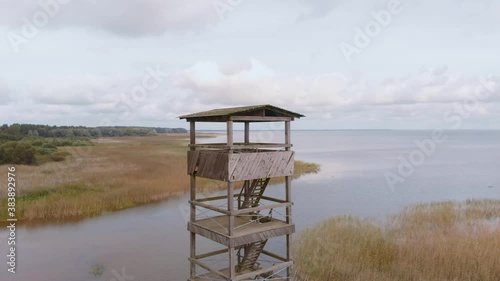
<point>208,164</point>
<point>240,166</point>
<point>257,165</point>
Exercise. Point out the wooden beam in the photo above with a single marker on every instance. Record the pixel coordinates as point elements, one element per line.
<point>211,254</point>
<point>192,254</point>
<point>288,185</point>
<point>212,198</point>
<point>263,270</point>
<point>192,132</point>
<point>209,119</point>
<point>210,207</point>
<point>224,146</point>
<point>232,263</point>
<point>230,133</point>
<point>192,242</point>
<point>260,208</point>
<point>247,132</point>
<point>288,139</point>
<point>200,264</point>
<point>230,208</point>
<point>259,118</point>
<point>288,195</point>
<point>289,247</point>
<point>230,188</point>
<point>273,255</point>
<point>274,199</point>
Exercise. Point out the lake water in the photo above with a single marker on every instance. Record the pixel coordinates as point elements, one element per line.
<point>150,243</point>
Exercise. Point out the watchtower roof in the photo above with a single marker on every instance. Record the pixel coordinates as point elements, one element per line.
<point>255,113</point>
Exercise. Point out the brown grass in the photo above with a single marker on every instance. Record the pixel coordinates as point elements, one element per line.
<point>114,174</point>
<point>433,242</point>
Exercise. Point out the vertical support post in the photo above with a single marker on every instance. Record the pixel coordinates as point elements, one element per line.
<point>288,137</point>
<point>230,207</point>
<point>288,180</point>
<point>288,186</point>
<point>230,187</point>
<point>247,132</point>
<point>192,140</point>
<point>230,204</point>
<point>232,264</point>
<point>230,133</point>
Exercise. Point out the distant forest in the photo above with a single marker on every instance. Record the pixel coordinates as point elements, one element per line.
<point>17,132</point>
<point>37,144</point>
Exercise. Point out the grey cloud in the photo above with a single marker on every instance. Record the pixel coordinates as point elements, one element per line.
<point>5,94</point>
<point>233,68</point>
<point>436,85</point>
<point>123,17</point>
<point>98,98</point>
<point>334,91</point>
<point>80,91</point>
<point>317,8</point>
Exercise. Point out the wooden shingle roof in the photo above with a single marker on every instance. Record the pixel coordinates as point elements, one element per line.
<point>254,113</point>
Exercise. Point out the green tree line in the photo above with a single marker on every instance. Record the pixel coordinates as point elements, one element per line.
<point>36,144</point>
<point>18,131</point>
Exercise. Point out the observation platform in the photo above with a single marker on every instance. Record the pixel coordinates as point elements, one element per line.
<point>245,231</point>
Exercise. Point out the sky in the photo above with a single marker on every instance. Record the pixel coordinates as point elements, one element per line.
<point>371,64</point>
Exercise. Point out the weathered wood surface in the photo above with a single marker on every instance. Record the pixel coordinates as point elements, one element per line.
<point>244,233</point>
<point>239,145</point>
<point>214,273</point>
<point>224,114</point>
<point>240,166</point>
<point>208,164</point>
<point>247,166</point>
<point>247,274</point>
<point>259,118</point>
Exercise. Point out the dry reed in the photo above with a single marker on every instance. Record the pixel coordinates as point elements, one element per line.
<point>445,241</point>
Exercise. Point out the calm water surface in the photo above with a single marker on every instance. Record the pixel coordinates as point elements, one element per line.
<point>150,243</point>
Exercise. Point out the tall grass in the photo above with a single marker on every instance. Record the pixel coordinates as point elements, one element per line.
<point>445,241</point>
<point>115,173</point>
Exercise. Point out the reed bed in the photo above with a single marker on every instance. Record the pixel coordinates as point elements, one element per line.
<point>446,241</point>
<point>114,174</point>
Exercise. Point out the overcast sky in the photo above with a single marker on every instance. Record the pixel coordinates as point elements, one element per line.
<point>353,64</point>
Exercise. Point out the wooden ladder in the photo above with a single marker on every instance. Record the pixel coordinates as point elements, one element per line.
<point>251,193</point>
<point>252,253</point>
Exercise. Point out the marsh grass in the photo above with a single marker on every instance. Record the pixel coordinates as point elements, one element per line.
<point>114,174</point>
<point>433,242</point>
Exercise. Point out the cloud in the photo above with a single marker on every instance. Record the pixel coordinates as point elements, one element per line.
<point>123,17</point>
<point>335,98</point>
<point>435,85</point>
<point>317,9</point>
<point>100,100</point>
<point>207,84</point>
<point>78,91</point>
<point>236,67</point>
<point>212,83</point>
<point>5,94</point>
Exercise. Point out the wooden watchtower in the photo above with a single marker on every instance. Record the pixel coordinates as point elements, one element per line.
<point>241,222</point>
